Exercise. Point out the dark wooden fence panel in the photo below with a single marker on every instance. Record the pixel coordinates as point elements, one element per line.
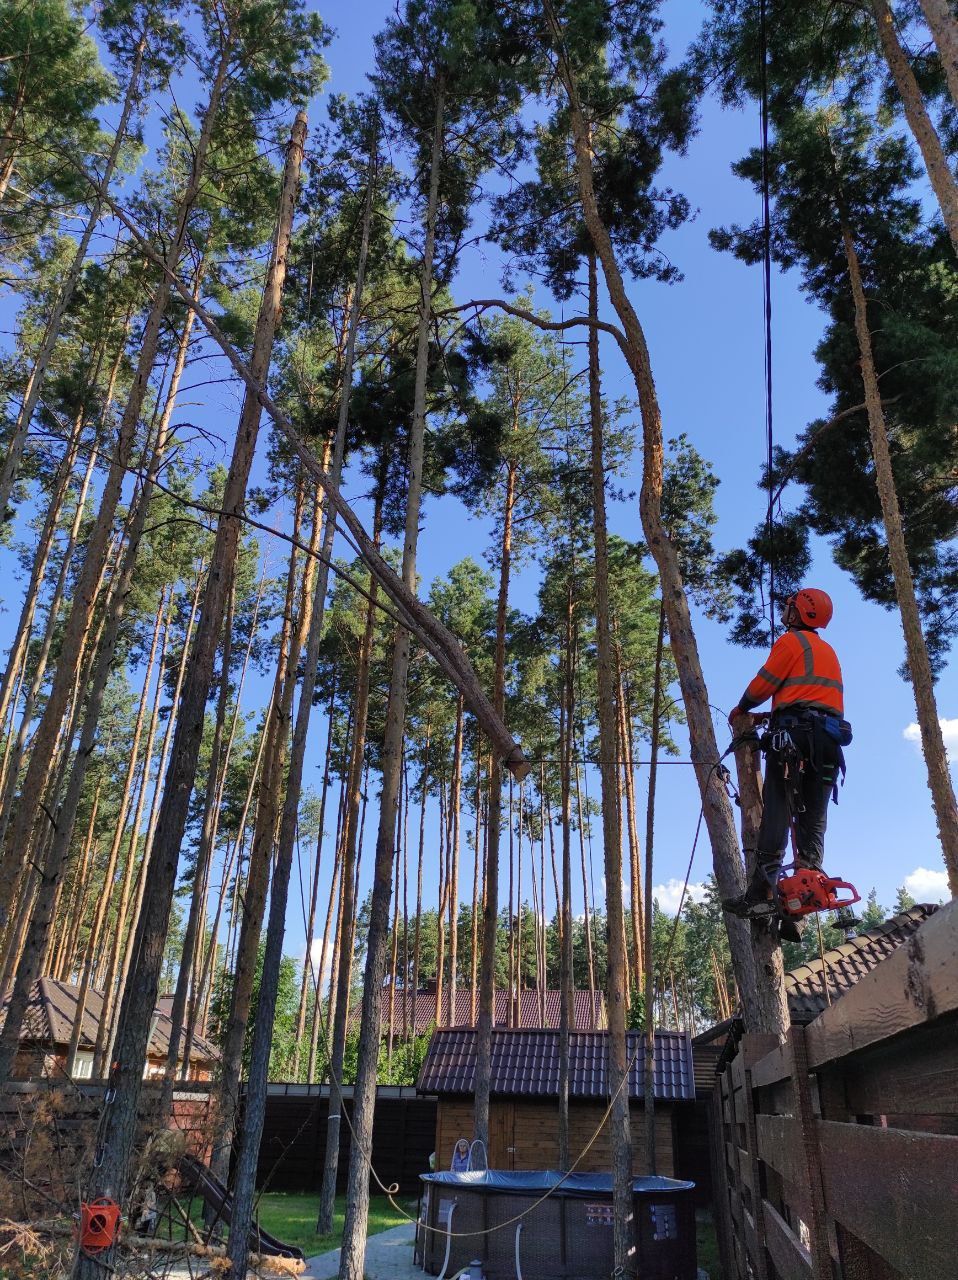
<point>835,1156</point>
<point>293,1148</point>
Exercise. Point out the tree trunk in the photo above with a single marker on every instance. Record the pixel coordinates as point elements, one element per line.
<point>476,876</point>
<point>490,923</point>
<point>944,28</point>
<point>310,978</point>
<point>761,1002</point>
<point>455,802</point>
<point>201,867</point>
<point>84,594</point>
<point>117,1131</point>
<point>327,1200</point>
<point>112,990</point>
<point>255,1109</point>
<point>262,847</point>
<point>58,849</point>
<point>919,667</point>
<point>103,901</point>
<point>635,874</point>
<point>919,121</point>
<point>357,1200</point>
<point>616,961</point>
<point>34,690</point>
<point>417,940</point>
<point>566,954</point>
<point>51,333</point>
<point>38,568</point>
<point>649,989</point>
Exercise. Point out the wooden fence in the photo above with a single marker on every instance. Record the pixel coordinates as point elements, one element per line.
<point>293,1148</point>
<point>835,1155</point>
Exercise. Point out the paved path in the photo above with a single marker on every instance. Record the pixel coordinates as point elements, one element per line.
<point>388,1257</point>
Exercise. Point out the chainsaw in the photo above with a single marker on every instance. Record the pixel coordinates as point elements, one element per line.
<point>805,891</point>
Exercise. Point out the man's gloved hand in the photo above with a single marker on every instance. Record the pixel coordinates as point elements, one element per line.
<point>734,714</point>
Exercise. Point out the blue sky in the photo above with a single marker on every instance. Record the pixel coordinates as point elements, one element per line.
<point>705,336</point>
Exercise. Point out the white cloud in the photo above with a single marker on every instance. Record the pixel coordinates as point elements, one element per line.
<point>927,886</point>
<point>949,731</point>
<point>315,958</point>
<point>667,895</point>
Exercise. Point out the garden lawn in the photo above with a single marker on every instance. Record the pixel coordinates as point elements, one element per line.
<point>291,1217</point>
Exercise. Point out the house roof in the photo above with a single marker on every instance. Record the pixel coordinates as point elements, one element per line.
<point>845,964</point>
<point>588,1011</point>
<point>525,1063</point>
<point>52,1011</point>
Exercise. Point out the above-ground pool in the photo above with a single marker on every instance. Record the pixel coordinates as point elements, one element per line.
<point>566,1237</point>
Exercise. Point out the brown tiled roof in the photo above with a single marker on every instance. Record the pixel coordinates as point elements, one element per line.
<point>588,1015</point>
<point>52,1011</point>
<point>845,964</point>
<point>525,1063</point>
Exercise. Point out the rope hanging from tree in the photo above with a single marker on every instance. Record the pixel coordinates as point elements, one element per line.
<point>767,298</point>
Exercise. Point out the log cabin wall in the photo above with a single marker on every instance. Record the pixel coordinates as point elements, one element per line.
<point>524,1135</point>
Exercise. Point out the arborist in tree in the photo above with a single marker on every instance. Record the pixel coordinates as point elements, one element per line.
<point>803,754</point>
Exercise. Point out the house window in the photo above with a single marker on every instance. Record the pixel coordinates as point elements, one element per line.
<point>83,1065</point>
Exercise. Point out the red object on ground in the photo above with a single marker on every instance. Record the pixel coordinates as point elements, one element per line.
<point>99,1224</point>
<point>805,892</point>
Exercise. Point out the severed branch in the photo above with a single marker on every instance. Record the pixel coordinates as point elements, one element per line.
<point>428,630</point>
<point>813,440</point>
<point>487,304</point>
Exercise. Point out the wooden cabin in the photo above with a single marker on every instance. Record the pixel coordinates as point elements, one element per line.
<point>524,1107</point>
<point>48,1026</point>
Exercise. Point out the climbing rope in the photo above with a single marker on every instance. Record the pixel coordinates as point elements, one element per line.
<point>767,300</point>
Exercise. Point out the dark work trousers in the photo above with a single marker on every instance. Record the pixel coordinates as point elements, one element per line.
<point>815,789</point>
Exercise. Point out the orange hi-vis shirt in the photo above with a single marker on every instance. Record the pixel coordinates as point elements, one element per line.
<point>802,670</point>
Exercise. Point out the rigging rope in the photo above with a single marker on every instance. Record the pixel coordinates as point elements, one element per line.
<point>767,298</point>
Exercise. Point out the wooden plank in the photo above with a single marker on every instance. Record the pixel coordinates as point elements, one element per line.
<point>915,985</point>
<point>780,1146</point>
<point>897,1191</point>
<point>754,1047</point>
<point>792,1261</point>
<point>773,1067</point>
<point>916,1074</point>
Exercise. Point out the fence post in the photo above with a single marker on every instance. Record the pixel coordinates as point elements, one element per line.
<point>818,1227</point>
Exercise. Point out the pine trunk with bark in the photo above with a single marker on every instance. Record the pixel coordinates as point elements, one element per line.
<point>616,957</point>
<point>919,121</point>
<point>83,599</point>
<point>357,1198</point>
<point>139,999</point>
<point>919,667</point>
<point>54,323</point>
<point>943,26</point>
<point>761,996</point>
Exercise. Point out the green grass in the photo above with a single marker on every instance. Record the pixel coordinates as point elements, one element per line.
<point>707,1244</point>
<point>292,1218</point>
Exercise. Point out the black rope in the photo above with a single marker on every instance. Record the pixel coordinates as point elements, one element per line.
<point>767,290</point>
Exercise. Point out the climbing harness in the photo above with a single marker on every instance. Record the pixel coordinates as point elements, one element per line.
<point>799,890</point>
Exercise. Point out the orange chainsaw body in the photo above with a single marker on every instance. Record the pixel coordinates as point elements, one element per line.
<point>805,891</point>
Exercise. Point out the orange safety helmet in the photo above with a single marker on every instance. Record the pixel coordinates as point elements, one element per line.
<point>814,607</point>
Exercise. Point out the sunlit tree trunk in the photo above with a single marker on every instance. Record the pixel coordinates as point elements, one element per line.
<point>310,978</point>
<point>357,1200</point>
<point>919,121</point>
<point>348,910</point>
<point>140,991</point>
<point>54,322</point>
<point>83,597</point>
<point>762,994</point>
<point>919,668</point>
